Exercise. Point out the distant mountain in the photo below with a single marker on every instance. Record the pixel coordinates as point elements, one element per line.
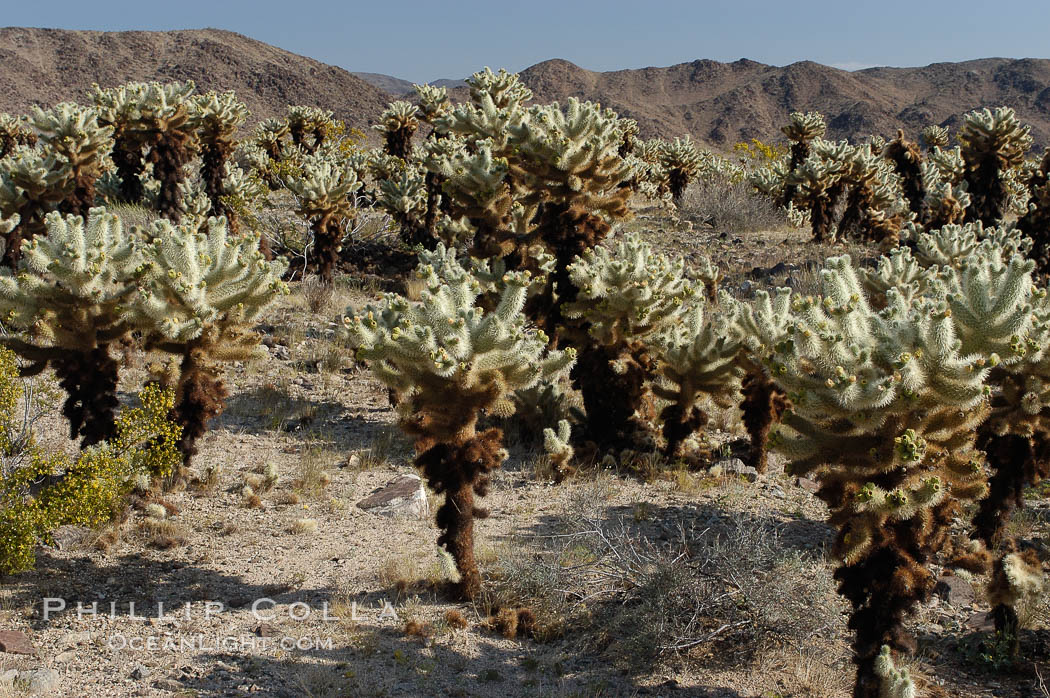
<point>717,103</point>
<point>724,103</point>
<point>399,87</point>
<point>386,83</point>
<point>45,66</point>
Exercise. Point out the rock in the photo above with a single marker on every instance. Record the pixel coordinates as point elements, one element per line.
<point>16,642</point>
<point>735,466</point>
<point>777,269</point>
<point>266,630</point>
<point>404,497</point>
<point>808,485</point>
<point>168,685</point>
<point>982,622</point>
<point>65,657</point>
<point>7,678</point>
<point>41,681</point>
<point>955,590</point>
<point>66,537</point>
<point>280,352</point>
<point>70,639</point>
<point>141,672</point>
<point>745,287</point>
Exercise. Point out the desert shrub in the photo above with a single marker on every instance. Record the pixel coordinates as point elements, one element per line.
<point>740,591</point>
<point>41,490</point>
<point>734,207</point>
<point>735,587</point>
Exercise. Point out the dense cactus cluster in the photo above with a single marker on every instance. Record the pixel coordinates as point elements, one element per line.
<point>85,285</point>
<point>70,295</point>
<point>910,389</point>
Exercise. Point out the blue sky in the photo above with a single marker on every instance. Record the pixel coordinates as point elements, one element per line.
<point>423,41</point>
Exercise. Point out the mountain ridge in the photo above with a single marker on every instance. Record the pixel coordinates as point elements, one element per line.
<point>717,103</point>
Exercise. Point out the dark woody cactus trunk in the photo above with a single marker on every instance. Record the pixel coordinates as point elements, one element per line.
<point>199,396</point>
<point>460,470</point>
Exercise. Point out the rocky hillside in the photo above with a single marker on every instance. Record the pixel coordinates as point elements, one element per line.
<point>723,103</point>
<point>45,66</point>
<point>718,103</point>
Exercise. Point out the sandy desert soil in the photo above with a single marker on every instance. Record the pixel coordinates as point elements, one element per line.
<point>327,426</point>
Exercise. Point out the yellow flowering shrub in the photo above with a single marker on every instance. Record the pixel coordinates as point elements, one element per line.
<point>760,154</point>
<point>42,490</point>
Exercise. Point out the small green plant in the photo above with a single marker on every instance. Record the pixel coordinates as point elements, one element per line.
<point>41,490</point>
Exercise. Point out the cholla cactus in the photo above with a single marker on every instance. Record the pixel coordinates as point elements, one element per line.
<point>625,294</point>
<point>70,299</point>
<point>503,89</point>
<point>761,323</point>
<point>698,357</point>
<point>885,405</point>
<point>405,198</point>
<point>433,102</point>
<point>203,291</point>
<point>944,187</point>
<point>73,134</point>
<point>629,129</point>
<point>324,189</point>
<point>450,362</point>
<point>907,160</point>
<point>992,144</point>
<point>872,212</point>
<point>32,185</point>
<point>1016,577</point>
<point>770,180</point>
<point>543,179</point>
<point>1016,439</point>
<point>801,130</point>
<point>309,127</point>
<point>157,117</point>
<point>934,136</point>
<point>397,124</point>
<point>216,118</point>
<point>682,162</point>
<point>269,135</point>
<point>118,108</point>
<point>1036,222</point>
<point>895,683</point>
<point>14,132</point>
<point>813,184</point>
<point>559,448</point>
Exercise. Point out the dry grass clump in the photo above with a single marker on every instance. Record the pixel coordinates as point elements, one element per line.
<point>732,207</point>
<point>317,294</point>
<point>163,533</point>
<point>313,472</point>
<point>732,590</point>
<point>302,527</point>
<point>455,619</point>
